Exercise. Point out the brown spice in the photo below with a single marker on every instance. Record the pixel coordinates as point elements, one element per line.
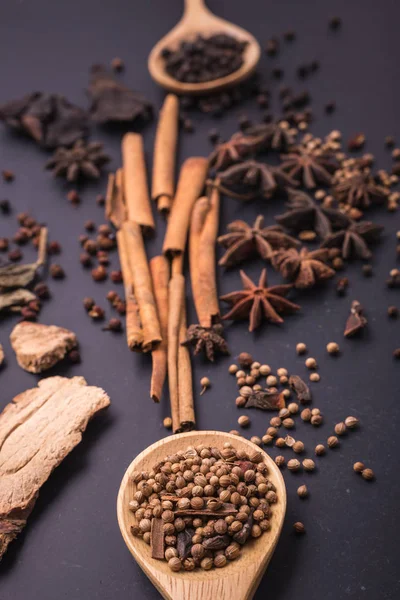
<point>332,441</point>
<point>358,467</point>
<point>368,474</point>
<point>299,527</point>
<point>302,491</point>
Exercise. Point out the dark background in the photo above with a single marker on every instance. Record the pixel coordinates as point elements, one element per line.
<point>72,548</point>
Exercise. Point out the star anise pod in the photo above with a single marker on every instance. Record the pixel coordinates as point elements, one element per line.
<point>244,241</point>
<point>256,302</point>
<point>51,120</point>
<point>233,151</point>
<point>353,241</point>
<point>359,189</point>
<point>82,160</point>
<point>274,136</point>
<point>250,179</point>
<point>310,166</point>
<point>305,213</point>
<point>305,269</point>
<point>207,339</point>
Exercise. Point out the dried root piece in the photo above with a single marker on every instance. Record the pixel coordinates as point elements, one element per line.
<point>39,347</point>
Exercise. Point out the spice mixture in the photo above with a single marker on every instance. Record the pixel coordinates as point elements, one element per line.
<point>197,508</point>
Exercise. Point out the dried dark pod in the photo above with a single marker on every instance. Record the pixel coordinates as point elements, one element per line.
<point>51,120</point>
<point>356,320</point>
<point>5,207</point>
<point>112,102</point>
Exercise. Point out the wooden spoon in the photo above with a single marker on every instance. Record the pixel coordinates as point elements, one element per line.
<point>197,18</point>
<point>239,579</point>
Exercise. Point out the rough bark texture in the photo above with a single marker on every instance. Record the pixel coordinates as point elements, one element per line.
<point>39,347</point>
<point>38,429</point>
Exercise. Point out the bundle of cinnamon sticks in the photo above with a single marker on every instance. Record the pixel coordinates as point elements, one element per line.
<point>155,289</point>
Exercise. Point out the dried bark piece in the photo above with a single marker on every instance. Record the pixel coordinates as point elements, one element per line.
<point>14,299</point>
<point>300,388</point>
<point>115,209</point>
<point>356,320</point>
<point>112,102</point>
<point>157,539</point>
<point>38,429</point>
<point>266,400</point>
<point>39,347</point>
<point>51,120</point>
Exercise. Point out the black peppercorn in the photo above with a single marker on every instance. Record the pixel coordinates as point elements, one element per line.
<point>5,207</point>
<point>57,272</point>
<point>42,291</point>
<point>88,303</point>
<point>15,255</point>
<point>85,259</point>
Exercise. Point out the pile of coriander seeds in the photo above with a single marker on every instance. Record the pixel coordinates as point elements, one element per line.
<point>198,507</point>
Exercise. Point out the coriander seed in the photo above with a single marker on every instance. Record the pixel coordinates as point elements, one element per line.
<point>271,380</point>
<point>205,384</point>
<point>358,467</point>
<point>316,420</point>
<point>167,422</point>
<point>265,370</point>
<point>351,422</point>
<point>233,369</point>
<point>175,564</point>
<point>301,348</point>
<point>256,440</point>
<point>308,464</point>
<point>267,439</point>
<point>293,464</point>
<point>319,449</point>
<point>306,414</point>
<point>340,428</point>
<point>293,408</point>
<point>288,423</point>
<point>315,377</point>
<point>299,527</point>
<point>311,363</point>
<point>243,421</point>
<point>368,474</point>
<point>280,461</point>
<point>302,491</point>
<point>333,348</point>
<point>298,447</point>
<point>281,372</point>
<point>275,422</point>
<point>240,401</point>
<point>245,359</point>
<point>280,442</point>
<point>240,374</point>
<point>332,441</point>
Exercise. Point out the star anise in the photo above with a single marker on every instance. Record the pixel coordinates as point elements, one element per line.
<point>244,241</point>
<point>304,213</point>
<point>256,302</point>
<point>207,339</point>
<point>274,136</point>
<point>82,160</point>
<point>250,179</point>
<point>234,150</point>
<point>51,120</point>
<point>353,241</point>
<point>359,189</point>
<point>310,166</point>
<point>305,269</point>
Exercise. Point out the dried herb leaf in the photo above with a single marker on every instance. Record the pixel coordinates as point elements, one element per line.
<point>266,400</point>
<point>51,120</point>
<point>20,276</point>
<point>300,388</point>
<point>112,102</point>
<point>15,298</point>
<point>356,320</point>
<point>218,542</point>
<point>184,542</point>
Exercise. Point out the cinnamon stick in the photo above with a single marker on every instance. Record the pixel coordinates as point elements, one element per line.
<point>185,384</point>
<point>164,157</point>
<point>159,269</point>
<point>135,183</point>
<point>202,240</point>
<point>134,333</point>
<point>176,293</point>
<point>142,285</point>
<point>190,185</point>
<point>115,210</point>
<point>157,539</point>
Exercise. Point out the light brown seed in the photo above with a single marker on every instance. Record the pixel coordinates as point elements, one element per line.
<point>280,461</point>
<point>302,491</point>
<point>280,442</point>
<point>315,377</point>
<point>333,348</point>
<point>308,464</point>
<point>368,474</point>
<point>358,467</point>
<point>299,527</point>
<point>288,423</point>
<point>275,422</point>
<point>311,363</point>
<point>233,369</point>
<point>175,564</point>
<point>267,439</point>
<point>316,420</point>
<point>351,422</point>
<point>293,464</point>
<point>293,408</point>
<point>271,380</point>
<point>265,370</point>
<point>340,428</point>
<point>167,422</point>
<point>319,449</point>
<point>290,441</point>
<point>298,447</point>
<point>256,440</point>
<point>281,372</point>
<point>301,348</point>
<point>332,441</point>
<point>244,421</point>
<point>306,414</point>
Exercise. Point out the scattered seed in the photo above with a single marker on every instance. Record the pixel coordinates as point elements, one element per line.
<point>302,491</point>
<point>315,377</point>
<point>332,348</point>
<point>298,447</point>
<point>298,527</point>
<point>271,380</point>
<point>393,312</point>
<point>311,363</point>
<point>293,464</point>
<point>340,428</point>
<point>301,348</point>
<point>332,441</point>
<point>293,408</point>
<point>306,414</point>
<point>358,467</point>
<point>308,464</point>
<point>233,369</point>
<point>205,384</point>
<point>288,423</point>
<point>280,461</point>
<point>265,370</point>
<point>351,422</point>
<point>56,271</point>
<point>368,474</point>
<point>320,449</point>
<point>244,421</point>
<point>245,359</point>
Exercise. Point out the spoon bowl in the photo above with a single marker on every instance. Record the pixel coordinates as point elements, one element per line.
<point>198,19</point>
<point>239,579</point>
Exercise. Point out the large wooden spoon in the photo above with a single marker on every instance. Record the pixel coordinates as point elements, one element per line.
<point>239,579</point>
<point>197,18</point>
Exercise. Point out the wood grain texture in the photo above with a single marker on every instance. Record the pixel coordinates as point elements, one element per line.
<point>197,18</point>
<point>239,579</point>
